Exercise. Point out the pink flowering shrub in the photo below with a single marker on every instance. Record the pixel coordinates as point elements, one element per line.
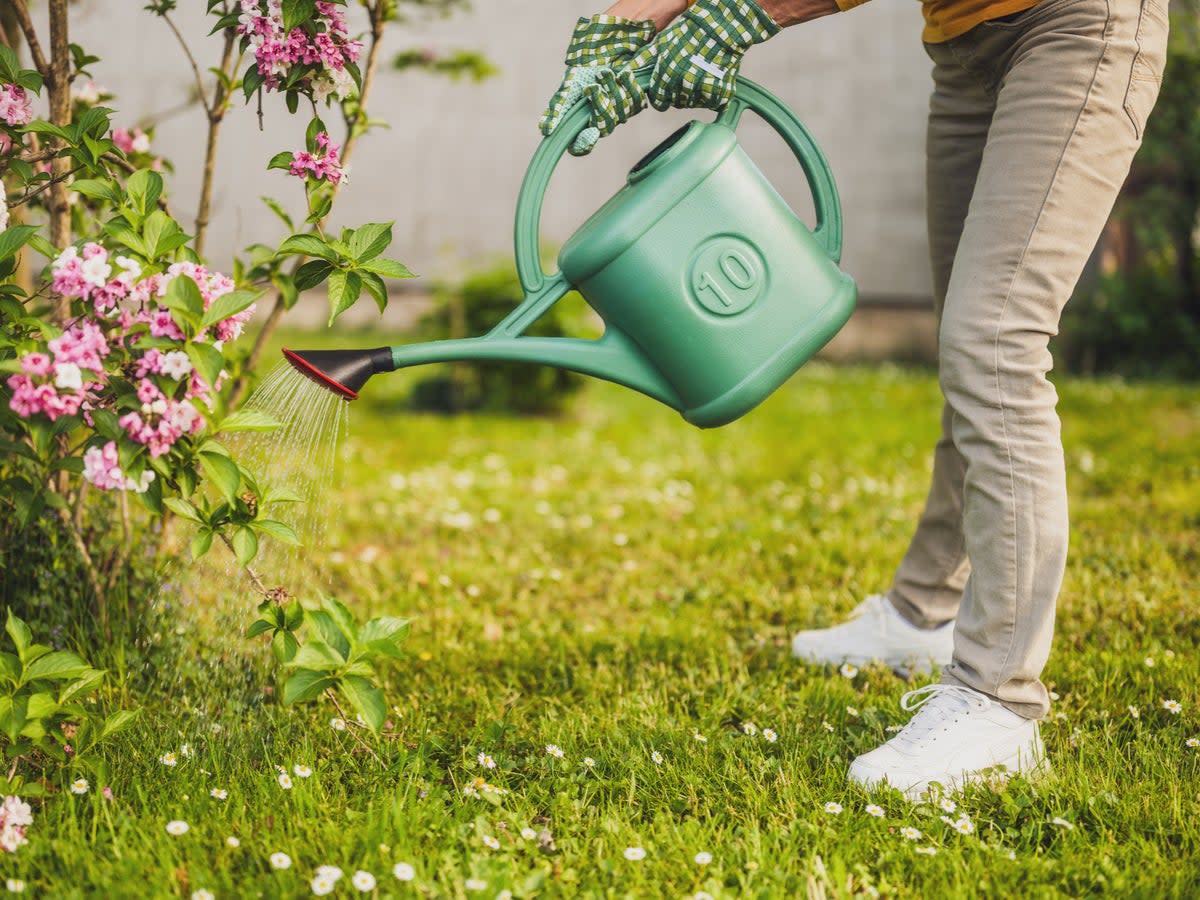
<point>16,107</point>
<point>324,165</point>
<point>314,55</point>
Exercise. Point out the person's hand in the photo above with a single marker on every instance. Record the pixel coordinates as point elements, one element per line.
<point>597,70</point>
<point>696,58</point>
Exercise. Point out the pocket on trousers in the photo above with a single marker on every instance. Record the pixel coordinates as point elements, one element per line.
<point>1145,77</point>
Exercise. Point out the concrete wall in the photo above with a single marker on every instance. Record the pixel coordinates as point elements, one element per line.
<point>449,168</point>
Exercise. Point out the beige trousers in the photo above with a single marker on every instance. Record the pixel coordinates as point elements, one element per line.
<point>1034,121</point>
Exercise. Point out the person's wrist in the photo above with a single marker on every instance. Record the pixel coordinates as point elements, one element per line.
<point>660,12</point>
<point>793,12</point>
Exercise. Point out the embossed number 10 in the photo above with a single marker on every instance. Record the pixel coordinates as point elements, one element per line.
<point>735,271</point>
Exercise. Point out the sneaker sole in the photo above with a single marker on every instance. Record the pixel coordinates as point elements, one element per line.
<point>1003,771</point>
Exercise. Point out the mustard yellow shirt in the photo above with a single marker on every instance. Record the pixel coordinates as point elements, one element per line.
<point>946,19</point>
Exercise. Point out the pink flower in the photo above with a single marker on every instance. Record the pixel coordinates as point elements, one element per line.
<point>102,467</point>
<point>136,141</point>
<point>36,364</point>
<point>16,108</point>
<point>325,167</point>
<point>15,816</point>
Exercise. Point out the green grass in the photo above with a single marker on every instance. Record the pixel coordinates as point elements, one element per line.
<point>634,585</point>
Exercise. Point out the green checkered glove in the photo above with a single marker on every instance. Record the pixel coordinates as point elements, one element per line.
<point>596,70</point>
<point>696,58</point>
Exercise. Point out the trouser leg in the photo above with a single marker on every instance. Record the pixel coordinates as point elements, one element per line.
<point>1062,138</point>
<point>929,582</point>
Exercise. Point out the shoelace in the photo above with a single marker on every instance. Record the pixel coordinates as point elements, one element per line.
<point>936,704</point>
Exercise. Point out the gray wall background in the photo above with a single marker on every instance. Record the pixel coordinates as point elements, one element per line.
<point>449,168</point>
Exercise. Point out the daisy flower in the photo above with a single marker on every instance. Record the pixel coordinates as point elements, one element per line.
<point>872,810</point>
<point>491,842</point>
<point>280,861</point>
<point>1062,823</point>
<point>589,762</point>
<point>218,793</point>
<point>927,851</point>
<point>848,671</point>
<point>168,759</point>
<point>528,833</point>
<point>656,758</point>
<point>486,761</point>
<point>404,872</point>
<point>852,711</point>
<point>769,735</point>
<point>699,737</point>
<point>301,771</point>
<point>1135,712</point>
<point>202,894</point>
<point>233,842</point>
<point>634,853</point>
<point>185,750</point>
<point>285,781</point>
<point>177,827</point>
<point>749,728</point>
<point>703,858</point>
<point>910,833</point>
<point>947,805</point>
<point>337,723</point>
<point>79,786</point>
<point>475,884</point>
<point>963,825</point>
<point>555,751</point>
<point>321,885</point>
<point>364,881</point>
<point>834,809</point>
<point>15,885</point>
<point>1192,742</point>
<point>1172,706</point>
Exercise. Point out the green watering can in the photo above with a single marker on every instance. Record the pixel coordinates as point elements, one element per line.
<point>712,291</point>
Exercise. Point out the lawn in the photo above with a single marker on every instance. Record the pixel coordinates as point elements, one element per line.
<point>601,606</point>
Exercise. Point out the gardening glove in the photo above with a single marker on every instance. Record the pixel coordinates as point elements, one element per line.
<point>596,70</point>
<point>696,58</point>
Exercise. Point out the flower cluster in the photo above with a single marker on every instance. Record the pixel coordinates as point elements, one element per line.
<point>325,165</point>
<point>15,816</point>
<point>16,106</point>
<point>123,312</point>
<point>135,141</point>
<point>326,47</point>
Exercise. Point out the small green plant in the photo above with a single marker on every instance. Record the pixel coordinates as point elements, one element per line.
<point>43,720</point>
<point>339,656</point>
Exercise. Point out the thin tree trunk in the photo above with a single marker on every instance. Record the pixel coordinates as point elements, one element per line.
<point>59,88</point>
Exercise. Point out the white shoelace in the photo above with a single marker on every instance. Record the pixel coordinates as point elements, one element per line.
<point>935,705</point>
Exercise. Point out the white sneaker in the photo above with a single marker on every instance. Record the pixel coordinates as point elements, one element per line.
<point>956,736</point>
<point>876,632</point>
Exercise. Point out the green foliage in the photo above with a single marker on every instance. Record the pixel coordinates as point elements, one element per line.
<point>339,656</point>
<point>1144,318</point>
<point>43,718</point>
<point>474,308</point>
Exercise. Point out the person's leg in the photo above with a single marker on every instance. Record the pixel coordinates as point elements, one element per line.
<point>929,582</point>
<point>1074,81</point>
<point>1059,148</point>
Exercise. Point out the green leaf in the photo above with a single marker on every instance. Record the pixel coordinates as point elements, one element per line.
<point>249,420</point>
<point>208,361</point>
<point>251,82</point>
<point>293,615</point>
<point>366,699</point>
<point>330,633</point>
<point>297,11</point>
<point>376,288</point>
<point>277,530</point>
<point>384,635</point>
<point>41,704</point>
<point>183,297</point>
<point>278,209</point>
<point>12,717</point>
<point>21,636</point>
<point>318,656</point>
<point>10,667</point>
<point>304,685</point>
<point>221,471</point>
<point>57,666</point>
<point>388,268</point>
<point>202,542</point>
<point>14,238</point>
<point>259,626</point>
<point>369,241</point>
<point>143,188</point>
<point>344,290</point>
<point>84,684</point>
<point>284,646</point>
<point>182,508</point>
<point>342,616</point>
<point>281,161</point>
<point>311,274</point>
<point>118,721</point>
<point>245,545</point>
<point>315,127</point>
<point>308,245</point>
<point>98,189</point>
<point>228,305</point>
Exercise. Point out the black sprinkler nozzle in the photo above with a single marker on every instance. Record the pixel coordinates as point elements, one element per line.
<point>342,371</point>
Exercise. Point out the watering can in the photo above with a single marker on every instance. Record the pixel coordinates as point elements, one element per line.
<point>712,291</point>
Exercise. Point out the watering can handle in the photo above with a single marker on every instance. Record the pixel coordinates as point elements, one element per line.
<point>748,95</point>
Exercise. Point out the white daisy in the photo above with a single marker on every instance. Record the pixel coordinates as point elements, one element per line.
<point>872,810</point>
<point>364,881</point>
<point>699,737</point>
<point>301,771</point>
<point>703,858</point>
<point>337,724</point>
<point>285,781</point>
<point>404,872</point>
<point>555,751</point>
<point>15,885</point>
<point>321,885</point>
<point>233,842</point>
<point>963,825</point>
<point>848,671</point>
<point>491,842</point>
<point>177,827</point>
<point>947,805</point>
<point>1172,706</point>
<point>486,761</point>
<point>475,884</point>
<point>750,728</point>
<point>79,786</point>
<point>280,861</point>
<point>1062,823</point>
<point>202,894</point>
<point>769,735</point>
<point>910,833</point>
<point>528,833</point>
<point>834,809</point>
<point>589,762</point>
<point>656,758</point>
<point>852,711</point>
<point>331,872</point>
<point>168,759</point>
<point>634,853</point>
<point>927,851</point>
<point>1135,712</point>
<point>1192,742</point>
<point>218,793</point>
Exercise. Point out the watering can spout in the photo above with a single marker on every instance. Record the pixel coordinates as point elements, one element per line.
<point>342,371</point>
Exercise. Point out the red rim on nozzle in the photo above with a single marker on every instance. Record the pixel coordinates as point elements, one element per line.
<point>303,366</point>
